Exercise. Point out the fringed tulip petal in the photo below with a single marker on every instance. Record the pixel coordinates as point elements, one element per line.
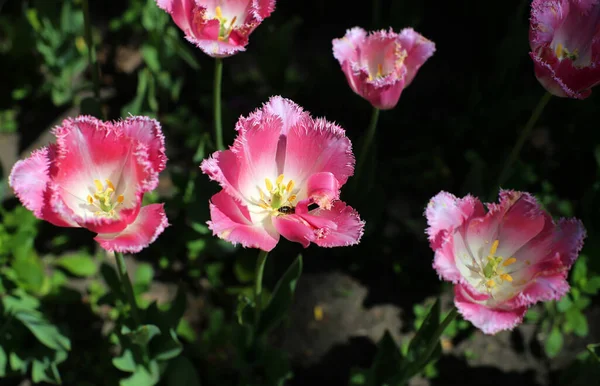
<point>502,261</point>
<point>231,221</point>
<point>147,226</point>
<point>380,64</point>
<point>219,28</point>
<point>95,175</point>
<point>565,46</point>
<point>283,162</point>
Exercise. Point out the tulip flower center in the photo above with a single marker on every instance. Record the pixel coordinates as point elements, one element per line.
<point>491,271</point>
<point>573,39</point>
<point>278,199</point>
<point>103,201</point>
<point>224,30</point>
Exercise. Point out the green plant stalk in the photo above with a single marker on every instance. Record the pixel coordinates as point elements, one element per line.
<point>217,103</point>
<point>516,150</point>
<point>364,152</point>
<point>258,277</point>
<point>127,287</point>
<point>419,366</point>
<point>94,67</point>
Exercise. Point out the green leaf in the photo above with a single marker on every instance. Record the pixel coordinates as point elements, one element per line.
<point>126,362</point>
<point>30,271</point>
<point>111,278</point>
<point>358,377</point>
<point>281,298</point>
<point>80,264</point>
<point>419,343</point>
<point>143,277</point>
<point>143,376</point>
<point>45,371</point>
<point>150,55</point>
<point>142,335</point>
<point>564,304</point>
<point>592,286</point>
<point>577,321</point>
<point>166,346</point>
<point>181,372</point>
<point>277,367</point>
<point>594,349</point>
<point>386,363</point>
<point>43,330</point>
<point>554,342</point>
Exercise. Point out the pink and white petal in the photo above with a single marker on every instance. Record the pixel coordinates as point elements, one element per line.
<point>214,47</point>
<point>346,48</point>
<point>488,320</point>
<point>262,8</point>
<point>541,289</point>
<point>182,12</point>
<point>444,261</point>
<point>323,188</point>
<point>568,241</point>
<point>546,17</point>
<point>446,212</point>
<point>231,221</point>
<point>148,132</point>
<point>149,224</point>
<point>287,111</point>
<point>520,220</point>
<point>29,179</point>
<point>295,229</point>
<point>350,227</point>
<point>548,77</point>
<point>385,96</point>
<point>418,50</point>
<point>250,160</point>
<point>318,146</point>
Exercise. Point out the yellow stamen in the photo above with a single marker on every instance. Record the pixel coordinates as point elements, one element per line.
<point>490,283</point>
<point>110,184</point>
<point>99,186</point>
<point>279,179</point>
<point>268,184</point>
<point>90,199</point>
<point>120,199</point>
<point>559,50</point>
<point>290,186</point>
<point>264,205</point>
<point>506,276</point>
<point>292,198</point>
<point>494,248</point>
<point>262,195</point>
<point>509,261</point>
<point>318,313</point>
<point>379,69</point>
<point>218,12</point>
<point>232,23</point>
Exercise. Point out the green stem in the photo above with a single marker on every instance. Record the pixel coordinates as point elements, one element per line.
<point>95,68</point>
<point>364,152</point>
<point>437,335</point>
<point>260,267</point>
<point>127,287</point>
<point>217,103</point>
<point>514,154</point>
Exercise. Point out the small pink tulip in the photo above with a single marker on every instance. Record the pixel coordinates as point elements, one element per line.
<point>503,261</point>
<point>379,65</point>
<point>565,45</point>
<point>283,176</point>
<point>94,177</point>
<point>220,28</point>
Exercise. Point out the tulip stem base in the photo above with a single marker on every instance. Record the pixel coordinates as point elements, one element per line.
<point>366,146</point>
<point>258,277</point>
<point>217,103</point>
<point>127,287</point>
<point>524,135</point>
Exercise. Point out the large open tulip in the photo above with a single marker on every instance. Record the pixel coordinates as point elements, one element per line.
<point>565,45</point>
<point>283,176</point>
<point>94,177</point>
<point>503,261</point>
<point>379,65</point>
<point>220,28</point>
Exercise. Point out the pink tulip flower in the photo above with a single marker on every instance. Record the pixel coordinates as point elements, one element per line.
<point>503,261</point>
<point>379,65</point>
<point>565,45</point>
<point>94,177</point>
<point>220,28</point>
<point>282,176</point>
